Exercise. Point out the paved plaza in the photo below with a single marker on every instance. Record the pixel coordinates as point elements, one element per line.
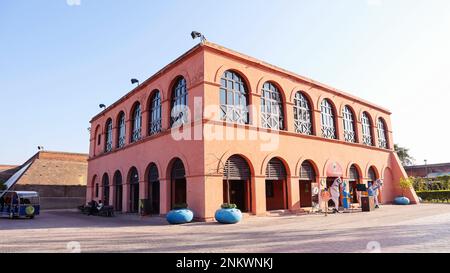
<point>424,228</point>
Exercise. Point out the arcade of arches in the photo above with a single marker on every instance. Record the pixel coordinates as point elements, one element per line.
<point>238,185</point>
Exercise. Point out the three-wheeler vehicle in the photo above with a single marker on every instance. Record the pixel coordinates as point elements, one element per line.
<point>19,204</point>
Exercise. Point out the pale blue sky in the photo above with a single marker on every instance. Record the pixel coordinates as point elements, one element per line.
<point>58,62</point>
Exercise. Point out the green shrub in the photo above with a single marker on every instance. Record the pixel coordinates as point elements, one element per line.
<point>434,196</point>
<point>228,206</point>
<point>405,184</point>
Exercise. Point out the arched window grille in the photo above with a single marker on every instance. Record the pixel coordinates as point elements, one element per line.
<point>382,137</point>
<point>178,171</point>
<point>366,130</point>
<point>155,114</point>
<point>236,168</point>
<point>328,121</point>
<point>108,136</point>
<point>121,132</point>
<point>275,170</point>
<point>153,175</point>
<point>354,174</point>
<point>302,115</point>
<point>179,113</point>
<point>349,125</point>
<point>271,107</point>
<point>372,175</point>
<point>307,172</point>
<point>233,99</point>
<point>137,123</point>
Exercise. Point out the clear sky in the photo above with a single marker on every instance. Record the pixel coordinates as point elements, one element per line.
<point>60,58</point>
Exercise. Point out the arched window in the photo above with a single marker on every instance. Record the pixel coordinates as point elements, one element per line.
<point>233,98</point>
<point>179,113</point>
<point>354,174</point>
<point>302,114</point>
<point>328,121</point>
<point>382,136</point>
<point>137,123</point>
<point>271,107</point>
<point>372,175</point>
<point>349,125</point>
<point>366,129</point>
<point>108,136</point>
<point>155,114</point>
<point>307,172</point>
<point>236,168</point>
<point>275,170</point>
<point>121,132</point>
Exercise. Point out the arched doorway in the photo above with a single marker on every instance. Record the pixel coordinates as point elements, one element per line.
<point>236,183</point>
<point>353,180</point>
<point>118,193</point>
<point>105,185</point>
<point>276,186</point>
<point>153,189</point>
<point>178,183</point>
<point>134,190</point>
<point>307,179</point>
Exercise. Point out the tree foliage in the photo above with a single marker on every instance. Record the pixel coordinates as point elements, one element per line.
<point>403,154</point>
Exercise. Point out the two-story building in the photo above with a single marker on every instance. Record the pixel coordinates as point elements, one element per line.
<point>217,126</point>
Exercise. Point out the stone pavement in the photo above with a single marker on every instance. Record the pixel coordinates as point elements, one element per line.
<point>423,228</point>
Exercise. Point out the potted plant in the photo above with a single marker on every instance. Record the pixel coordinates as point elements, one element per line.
<point>180,214</point>
<point>228,214</point>
<point>405,184</point>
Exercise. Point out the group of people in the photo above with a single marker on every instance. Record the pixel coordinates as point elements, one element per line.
<point>339,187</point>
<point>95,207</point>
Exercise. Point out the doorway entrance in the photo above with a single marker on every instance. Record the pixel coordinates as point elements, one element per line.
<point>276,185</point>
<point>307,178</point>
<point>134,191</point>
<point>236,183</point>
<point>153,189</point>
<point>178,184</point>
<point>118,191</point>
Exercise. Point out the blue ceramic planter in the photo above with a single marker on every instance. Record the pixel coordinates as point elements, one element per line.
<point>228,216</point>
<point>402,201</point>
<point>181,216</point>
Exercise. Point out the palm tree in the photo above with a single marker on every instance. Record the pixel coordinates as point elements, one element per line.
<point>403,154</point>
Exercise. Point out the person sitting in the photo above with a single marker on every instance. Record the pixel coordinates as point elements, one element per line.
<point>100,205</point>
<point>93,208</point>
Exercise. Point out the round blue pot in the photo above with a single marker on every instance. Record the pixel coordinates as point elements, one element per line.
<point>228,216</point>
<point>402,201</point>
<point>180,216</point>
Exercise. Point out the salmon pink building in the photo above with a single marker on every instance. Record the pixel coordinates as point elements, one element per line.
<point>216,126</point>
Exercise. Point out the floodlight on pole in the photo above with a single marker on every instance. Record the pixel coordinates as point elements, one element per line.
<point>196,34</point>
